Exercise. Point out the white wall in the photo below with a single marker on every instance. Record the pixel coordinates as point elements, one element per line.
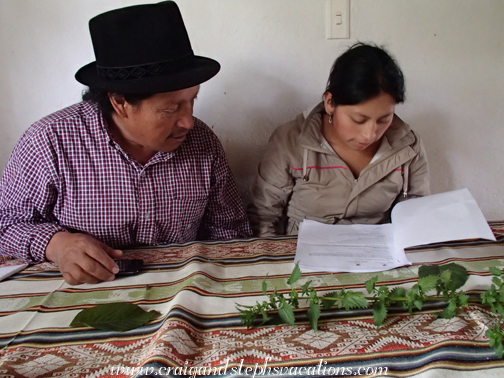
<point>275,62</point>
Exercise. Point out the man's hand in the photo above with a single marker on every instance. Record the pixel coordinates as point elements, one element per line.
<point>81,258</point>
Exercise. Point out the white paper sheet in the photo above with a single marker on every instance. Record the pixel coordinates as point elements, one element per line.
<point>6,271</point>
<point>439,218</point>
<point>369,248</point>
<point>352,248</point>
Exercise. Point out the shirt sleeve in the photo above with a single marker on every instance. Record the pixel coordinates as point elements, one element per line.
<point>27,196</point>
<point>271,189</point>
<point>225,217</point>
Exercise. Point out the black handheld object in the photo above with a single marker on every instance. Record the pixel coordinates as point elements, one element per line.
<point>127,267</point>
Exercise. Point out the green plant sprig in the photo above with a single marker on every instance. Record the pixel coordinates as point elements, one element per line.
<point>494,297</point>
<point>445,279</point>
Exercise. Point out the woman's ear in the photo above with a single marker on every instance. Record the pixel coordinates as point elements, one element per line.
<point>328,104</point>
<point>119,104</point>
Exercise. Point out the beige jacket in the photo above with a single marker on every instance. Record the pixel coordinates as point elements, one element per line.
<point>301,177</point>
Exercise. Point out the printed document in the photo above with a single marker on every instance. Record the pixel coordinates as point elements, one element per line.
<point>437,218</point>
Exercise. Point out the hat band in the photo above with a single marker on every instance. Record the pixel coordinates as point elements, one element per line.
<point>144,70</point>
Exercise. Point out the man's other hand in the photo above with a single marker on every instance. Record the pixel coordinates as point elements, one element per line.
<point>81,258</point>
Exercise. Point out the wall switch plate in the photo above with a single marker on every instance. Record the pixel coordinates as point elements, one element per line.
<point>337,19</point>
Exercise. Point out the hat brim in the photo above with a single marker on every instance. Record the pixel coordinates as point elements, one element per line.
<point>198,71</point>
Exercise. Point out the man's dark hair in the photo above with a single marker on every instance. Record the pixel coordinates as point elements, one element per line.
<point>101,97</point>
<point>363,72</point>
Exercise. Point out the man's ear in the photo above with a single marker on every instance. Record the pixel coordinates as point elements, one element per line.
<point>119,104</point>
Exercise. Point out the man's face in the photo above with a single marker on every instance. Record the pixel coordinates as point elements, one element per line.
<point>158,123</point>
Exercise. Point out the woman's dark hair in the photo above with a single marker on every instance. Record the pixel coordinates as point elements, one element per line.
<point>363,72</point>
<point>101,97</point>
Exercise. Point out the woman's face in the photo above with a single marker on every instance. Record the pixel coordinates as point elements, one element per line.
<point>359,126</point>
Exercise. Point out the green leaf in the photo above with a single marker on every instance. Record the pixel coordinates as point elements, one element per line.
<point>247,316</point>
<point>293,300</point>
<point>286,313</point>
<point>295,275</point>
<point>497,281</point>
<point>119,316</point>
<point>314,315</point>
<point>450,311</point>
<point>495,271</point>
<point>428,283</point>
<point>412,297</point>
<point>497,308</point>
<point>490,334</point>
<point>371,283</point>
<point>499,350</point>
<point>488,298</point>
<point>445,276</point>
<point>458,275</point>
<point>495,339</point>
<point>272,298</point>
<point>328,303</point>
<point>383,292</point>
<point>379,313</point>
<point>418,303</point>
<point>313,296</point>
<point>265,285</point>
<point>463,299</point>
<point>428,270</point>
<point>265,316</point>
<point>354,299</point>
<point>306,287</point>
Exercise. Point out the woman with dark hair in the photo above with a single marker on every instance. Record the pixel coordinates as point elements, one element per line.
<point>347,160</point>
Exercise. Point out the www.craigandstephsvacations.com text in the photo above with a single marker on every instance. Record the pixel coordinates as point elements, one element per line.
<point>257,370</point>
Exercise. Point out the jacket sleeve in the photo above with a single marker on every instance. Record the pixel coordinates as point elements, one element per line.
<point>271,189</point>
<point>225,217</point>
<point>418,180</point>
<point>27,196</point>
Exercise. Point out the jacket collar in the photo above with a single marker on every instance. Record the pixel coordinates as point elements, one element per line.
<point>311,123</point>
<point>399,134</point>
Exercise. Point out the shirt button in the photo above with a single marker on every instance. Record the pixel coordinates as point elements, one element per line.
<point>146,215</point>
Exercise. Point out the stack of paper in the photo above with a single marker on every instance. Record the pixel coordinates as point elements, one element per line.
<point>369,248</point>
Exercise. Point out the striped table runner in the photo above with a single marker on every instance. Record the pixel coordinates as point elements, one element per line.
<point>196,287</point>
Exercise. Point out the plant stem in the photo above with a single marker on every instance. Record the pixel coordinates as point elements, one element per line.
<point>397,299</point>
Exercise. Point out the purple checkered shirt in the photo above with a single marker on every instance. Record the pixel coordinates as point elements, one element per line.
<point>67,174</point>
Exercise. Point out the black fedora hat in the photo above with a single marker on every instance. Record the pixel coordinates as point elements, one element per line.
<point>143,49</point>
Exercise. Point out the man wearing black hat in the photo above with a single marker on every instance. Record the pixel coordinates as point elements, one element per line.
<point>129,165</point>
